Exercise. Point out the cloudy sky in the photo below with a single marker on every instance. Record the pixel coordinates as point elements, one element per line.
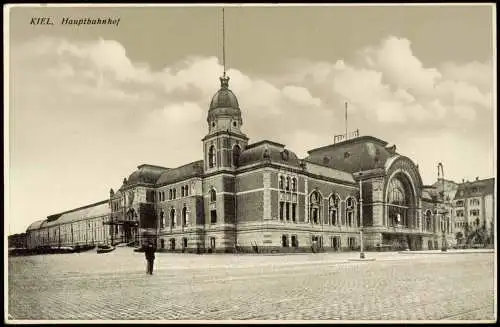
<point>88,104</point>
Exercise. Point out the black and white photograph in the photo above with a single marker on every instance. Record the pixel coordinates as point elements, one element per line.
<point>256,163</point>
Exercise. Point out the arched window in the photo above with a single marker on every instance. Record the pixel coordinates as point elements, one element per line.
<point>294,184</point>
<point>282,182</point>
<point>315,207</point>
<point>174,193</point>
<point>186,191</point>
<point>350,206</point>
<point>213,195</point>
<point>182,191</point>
<point>184,216</point>
<point>211,156</point>
<point>333,210</point>
<point>287,184</point>
<point>170,194</point>
<point>172,217</point>
<point>162,219</point>
<point>236,155</point>
<point>398,201</point>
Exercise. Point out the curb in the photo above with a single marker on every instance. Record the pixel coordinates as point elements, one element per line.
<point>358,259</point>
<point>446,252</point>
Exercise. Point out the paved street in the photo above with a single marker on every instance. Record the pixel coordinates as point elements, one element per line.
<point>323,286</point>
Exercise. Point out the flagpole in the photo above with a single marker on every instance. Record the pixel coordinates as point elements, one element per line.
<point>223,42</point>
<point>346,120</point>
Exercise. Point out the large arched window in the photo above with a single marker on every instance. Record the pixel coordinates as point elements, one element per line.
<point>213,195</point>
<point>333,210</point>
<point>315,207</point>
<point>184,216</point>
<point>172,217</point>
<point>282,182</point>
<point>350,207</point>
<point>399,198</point>
<point>236,155</point>
<point>211,156</point>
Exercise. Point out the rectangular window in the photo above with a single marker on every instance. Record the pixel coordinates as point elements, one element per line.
<point>294,212</point>
<point>282,204</point>
<point>287,211</point>
<point>284,240</point>
<point>349,218</point>
<point>213,216</point>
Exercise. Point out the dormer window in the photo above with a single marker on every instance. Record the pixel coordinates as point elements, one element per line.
<point>284,155</point>
<point>235,124</point>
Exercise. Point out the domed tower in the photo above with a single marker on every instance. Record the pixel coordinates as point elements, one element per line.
<point>225,140</point>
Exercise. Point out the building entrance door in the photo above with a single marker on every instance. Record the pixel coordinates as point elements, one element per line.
<point>336,243</point>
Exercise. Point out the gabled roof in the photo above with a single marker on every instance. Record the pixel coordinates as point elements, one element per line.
<point>90,211</point>
<point>35,225</point>
<point>145,174</point>
<point>358,154</point>
<point>269,151</point>
<point>193,169</point>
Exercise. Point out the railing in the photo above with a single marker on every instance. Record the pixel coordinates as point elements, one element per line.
<point>344,137</point>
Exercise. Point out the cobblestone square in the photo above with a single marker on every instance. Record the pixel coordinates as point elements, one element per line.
<point>324,286</point>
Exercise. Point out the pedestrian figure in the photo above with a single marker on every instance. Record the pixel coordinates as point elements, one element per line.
<point>150,257</point>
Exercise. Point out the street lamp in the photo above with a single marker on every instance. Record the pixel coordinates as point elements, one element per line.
<point>361,253</point>
<point>444,246</point>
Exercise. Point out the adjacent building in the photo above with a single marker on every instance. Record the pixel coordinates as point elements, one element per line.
<point>474,205</point>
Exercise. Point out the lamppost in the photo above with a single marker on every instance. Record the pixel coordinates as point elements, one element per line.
<point>361,253</point>
<point>444,246</point>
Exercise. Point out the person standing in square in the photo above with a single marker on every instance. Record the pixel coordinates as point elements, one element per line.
<point>150,257</point>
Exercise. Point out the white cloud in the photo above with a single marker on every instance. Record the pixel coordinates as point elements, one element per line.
<point>390,84</point>
<point>181,113</point>
<point>300,95</point>
<point>394,57</point>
